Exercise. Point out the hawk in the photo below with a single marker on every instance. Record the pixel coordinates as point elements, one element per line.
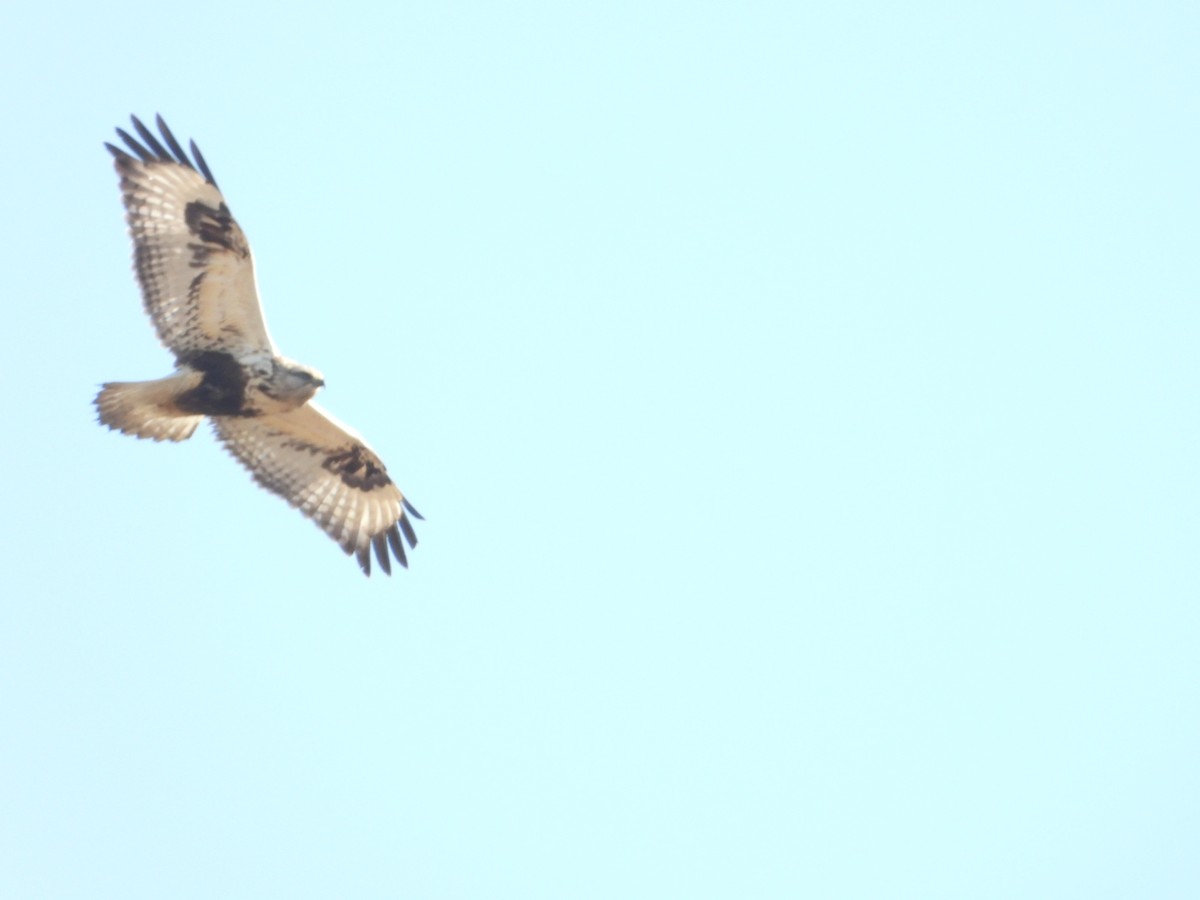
<point>197,279</point>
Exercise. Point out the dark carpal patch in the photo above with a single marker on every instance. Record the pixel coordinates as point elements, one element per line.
<point>223,390</point>
<point>358,467</point>
<point>214,227</point>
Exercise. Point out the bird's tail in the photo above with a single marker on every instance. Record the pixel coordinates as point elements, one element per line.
<point>146,409</point>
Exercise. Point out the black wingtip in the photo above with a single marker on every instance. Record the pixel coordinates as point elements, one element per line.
<point>151,141</point>
<point>204,170</point>
<point>169,136</point>
<point>379,542</point>
<point>150,148</point>
<point>393,538</point>
<point>412,509</point>
<point>409,534</point>
<point>131,142</point>
<point>364,560</point>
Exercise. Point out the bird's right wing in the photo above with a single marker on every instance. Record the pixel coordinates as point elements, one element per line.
<point>328,472</point>
<point>191,257</point>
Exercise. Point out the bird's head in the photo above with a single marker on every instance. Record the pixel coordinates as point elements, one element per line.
<point>301,381</point>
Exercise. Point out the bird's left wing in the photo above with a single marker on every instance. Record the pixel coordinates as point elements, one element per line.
<point>327,471</point>
<point>191,257</point>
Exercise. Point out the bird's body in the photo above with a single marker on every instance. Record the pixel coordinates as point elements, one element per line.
<point>197,277</point>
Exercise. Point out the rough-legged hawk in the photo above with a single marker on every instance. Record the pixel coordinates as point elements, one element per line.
<point>197,279</point>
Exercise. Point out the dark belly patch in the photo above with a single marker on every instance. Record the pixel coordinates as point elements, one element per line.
<point>223,390</point>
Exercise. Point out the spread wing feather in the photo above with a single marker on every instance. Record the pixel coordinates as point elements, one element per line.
<point>192,260</point>
<point>327,471</point>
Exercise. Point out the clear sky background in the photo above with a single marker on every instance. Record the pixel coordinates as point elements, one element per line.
<point>802,399</point>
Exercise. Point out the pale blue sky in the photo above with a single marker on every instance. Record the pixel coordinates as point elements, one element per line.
<point>802,402</point>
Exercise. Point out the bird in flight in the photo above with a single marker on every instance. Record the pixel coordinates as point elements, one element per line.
<point>197,279</point>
